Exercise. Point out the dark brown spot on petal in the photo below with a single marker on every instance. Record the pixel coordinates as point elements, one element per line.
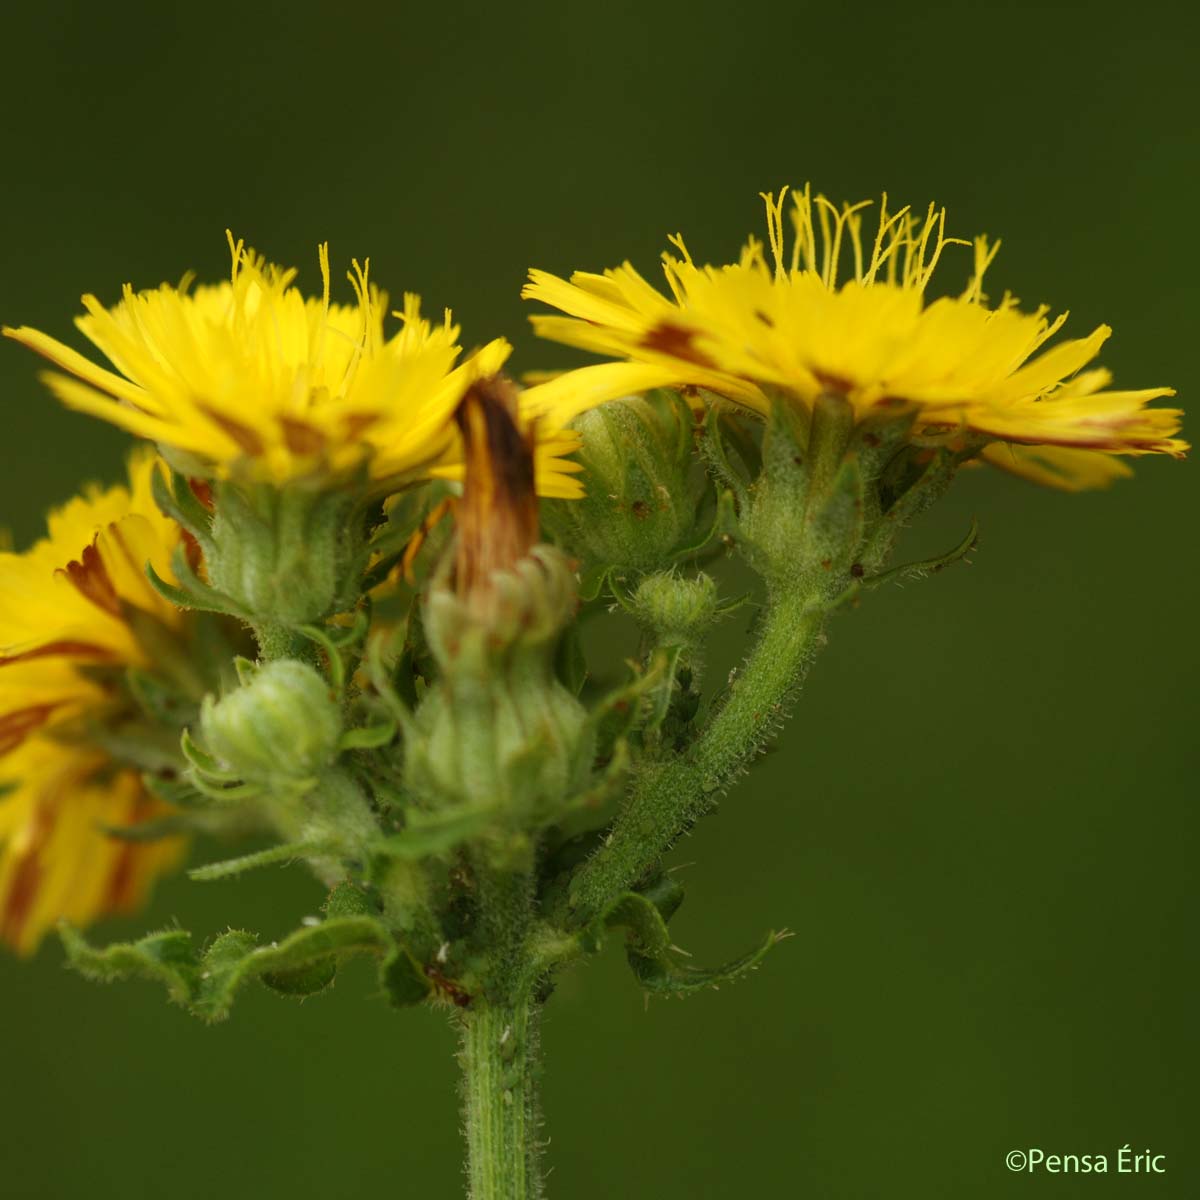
<point>835,383</point>
<point>245,437</point>
<point>120,893</point>
<point>676,342</point>
<point>90,577</point>
<point>16,726</point>
<point>65,649</point>
<point>300,437</point>
<point>22,891</point>
<point>354,424</point>
<point>26,874</point>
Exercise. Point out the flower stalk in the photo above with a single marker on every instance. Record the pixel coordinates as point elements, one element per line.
<point>500,1063</point>
<point>668,797</point>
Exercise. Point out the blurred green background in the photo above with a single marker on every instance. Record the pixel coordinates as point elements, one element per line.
<point>981,824</point>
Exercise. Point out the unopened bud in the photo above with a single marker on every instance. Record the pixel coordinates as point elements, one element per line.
<point>497,730</point>
<point>282,723</point>
<point>643,484</point>
<point>678,610</point>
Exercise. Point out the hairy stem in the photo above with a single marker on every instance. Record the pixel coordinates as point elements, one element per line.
<point>499,1063</point>
<point>276,641</point>
<point>669,796</point>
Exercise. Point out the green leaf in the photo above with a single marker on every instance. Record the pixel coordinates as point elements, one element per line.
<point>431,834</point>
<point>380,675</point>
<point>179,793</point>
<point>157,699</point>
<point>913,485</point>
<point>206,984</point>
<point>835,525</point>
<point>367,737</point>
<point>666,975</point>
<point>203,762</point>
<point>333,654</point>
<point>620,712</point>
<point>928,566</point>
<point>246,668</point>
<point>666,668</point>
<point>165,957</point>
<point>403,979</point>
<point>262,858</point>
<point>571,664</point>
<point>177,501</point>
<point>666,894</point>
<point>713,446</point>
<point>724,523</point>
<point>307,980</point>
<point>349,900</point>
<point>878,437</point>
<point>643,923</point>
<point>150,831</point>
<point>657,964</point>
<point>592,583</point>
<point>191,591</point>
<point>609,783</point>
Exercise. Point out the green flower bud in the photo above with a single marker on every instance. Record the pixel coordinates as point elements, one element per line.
<point>498,729</point>
<point>281,724</point>
<point>643,484</point>
<point>678,610</point>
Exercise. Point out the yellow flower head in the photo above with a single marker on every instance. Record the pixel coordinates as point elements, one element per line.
<point>798,320</point>
<point>250,376</point>
<point>66,603</point>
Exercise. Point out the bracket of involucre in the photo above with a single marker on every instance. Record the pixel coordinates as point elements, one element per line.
<point>329,612</point>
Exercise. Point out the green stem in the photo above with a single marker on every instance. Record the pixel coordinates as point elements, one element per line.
<point>499,1061</point>
<point>277,641</point>
<point>669,796</point>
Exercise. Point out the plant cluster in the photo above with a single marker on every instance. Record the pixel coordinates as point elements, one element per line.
<point>358,597</point>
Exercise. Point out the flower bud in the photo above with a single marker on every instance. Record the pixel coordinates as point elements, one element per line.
<point>643,484</point>
<point>281,724</point>
<point>498,730</point>
<point>678,610</point>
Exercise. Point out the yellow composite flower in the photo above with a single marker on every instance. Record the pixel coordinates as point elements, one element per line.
<point>251,376</point>
<point>797,320</point>
<point>65,604</point>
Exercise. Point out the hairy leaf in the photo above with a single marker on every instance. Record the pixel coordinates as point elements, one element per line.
<point>205,983</point>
